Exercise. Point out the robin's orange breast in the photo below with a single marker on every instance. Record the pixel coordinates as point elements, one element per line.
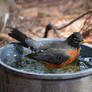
<point>73,55</point>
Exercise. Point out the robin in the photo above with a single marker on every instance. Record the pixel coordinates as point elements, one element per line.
<point>54,55</point>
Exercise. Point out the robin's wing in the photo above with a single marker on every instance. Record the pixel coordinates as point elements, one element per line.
<point>51,55</point>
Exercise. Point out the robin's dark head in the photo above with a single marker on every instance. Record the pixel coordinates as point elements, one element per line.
<point>76,39</point>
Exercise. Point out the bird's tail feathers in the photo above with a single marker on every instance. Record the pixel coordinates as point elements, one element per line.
<point>16,34</point>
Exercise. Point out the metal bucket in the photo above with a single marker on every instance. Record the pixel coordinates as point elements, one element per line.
<point>14,80</point>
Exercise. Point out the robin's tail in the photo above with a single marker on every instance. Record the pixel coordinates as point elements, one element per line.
<point>24,40</point>
<point>16,34</point>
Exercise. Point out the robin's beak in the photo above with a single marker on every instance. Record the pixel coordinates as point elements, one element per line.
<point>84,41</point>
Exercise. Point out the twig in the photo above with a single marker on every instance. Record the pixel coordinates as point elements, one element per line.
<point>56,28</point>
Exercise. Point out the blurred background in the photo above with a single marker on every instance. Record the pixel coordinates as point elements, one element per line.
<point>32,16</point>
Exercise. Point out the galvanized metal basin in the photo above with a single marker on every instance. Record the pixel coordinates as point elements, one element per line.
<point>14,80</point>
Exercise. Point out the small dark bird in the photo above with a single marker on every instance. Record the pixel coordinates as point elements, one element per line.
<point>54,55</point>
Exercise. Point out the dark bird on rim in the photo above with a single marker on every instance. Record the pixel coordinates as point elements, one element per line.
<point>54,55</point>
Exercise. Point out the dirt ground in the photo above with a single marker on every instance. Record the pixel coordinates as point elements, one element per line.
<point>33,16</point>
